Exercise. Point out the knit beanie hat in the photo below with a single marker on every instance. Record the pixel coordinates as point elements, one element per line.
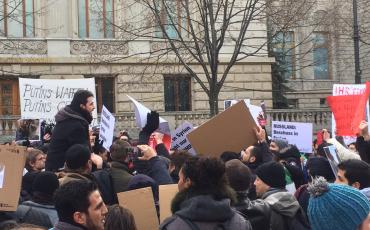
<point>272,173</point>
<point>280,143</point>
<point>334,206</point>
<point>238,175</point>
<point>46,183</point>
<point>320,166</point>
<point>77,156</point>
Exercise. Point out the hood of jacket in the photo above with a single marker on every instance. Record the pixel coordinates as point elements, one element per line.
<point>281,202</point>
<point>68,113</point>
<point>205,208</point>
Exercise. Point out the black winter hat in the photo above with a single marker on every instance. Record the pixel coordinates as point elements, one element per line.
<point>272,174</point>
<point>77,156</point>
<point>320,166</point>
<point>46,183</point>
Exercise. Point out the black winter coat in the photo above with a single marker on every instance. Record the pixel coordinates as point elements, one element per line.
<point>71,128</point>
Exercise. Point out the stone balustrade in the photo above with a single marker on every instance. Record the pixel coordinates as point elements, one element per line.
<point>320,118</point>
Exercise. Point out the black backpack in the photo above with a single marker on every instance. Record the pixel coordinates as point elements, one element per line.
<point>105,183</point>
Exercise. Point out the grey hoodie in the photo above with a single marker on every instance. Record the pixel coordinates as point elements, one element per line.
<point>282,203</point>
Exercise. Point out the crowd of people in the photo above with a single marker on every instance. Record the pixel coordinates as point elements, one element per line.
<point>71,182</point>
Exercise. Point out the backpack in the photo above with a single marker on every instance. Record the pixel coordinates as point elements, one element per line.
<point>105,183</point>
<point>299,222</point>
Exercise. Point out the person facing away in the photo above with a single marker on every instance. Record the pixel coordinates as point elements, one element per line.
<point>119,218</point>
<point>79,206</point>
<point>204,198</point>
<point>72,127</point>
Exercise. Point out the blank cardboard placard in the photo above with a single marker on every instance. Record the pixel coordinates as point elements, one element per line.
<point>231,130</point>
<point>141,203</point>
<point>12,160</point>
<point>166,194</point>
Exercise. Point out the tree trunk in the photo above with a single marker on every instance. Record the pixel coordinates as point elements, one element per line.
<point>213,103</point>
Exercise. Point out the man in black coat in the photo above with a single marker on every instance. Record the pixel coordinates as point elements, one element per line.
<point>72,127</point>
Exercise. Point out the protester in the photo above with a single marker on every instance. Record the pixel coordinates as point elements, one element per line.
<point>35,160</point>
<point>40,210</point>
<point>355,173</point>
<point>72,127</point>
<point>363,142</point>
<point>352,147</point>
<point>277,145</point>
<point>316,166</point>
<point>79,206</point>
<point>119,171</point>
<point>270,186</point>
<point>177,158</point>
<point>333,206</point>
<point>343,152</point>
<point>203,200</point>
<point>119,218</point>
<point>258,211</point>
<point>78,164</point>
<point>156,167</point>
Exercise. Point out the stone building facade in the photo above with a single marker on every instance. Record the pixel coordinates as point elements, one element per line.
<point>56,45</point>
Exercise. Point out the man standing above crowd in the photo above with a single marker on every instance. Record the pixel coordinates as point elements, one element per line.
<point>72,127</point>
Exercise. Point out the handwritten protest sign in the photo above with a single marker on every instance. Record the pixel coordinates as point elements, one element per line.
<point>43,98</point>
<point>299,134</point>
<point>106,128</point>
<point>12,162</point>
<point>141,113</point>
<point>231,130</point>
<point>141,203</point>
<point>166,194</point>
<point>332,155</point>
<point>348,89</point>
<point>179,140</point>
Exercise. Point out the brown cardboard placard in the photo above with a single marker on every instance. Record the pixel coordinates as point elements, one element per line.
<point>141,203</point>
<point>231,130</point>
<point>12,160</point>
<point>166,194</point>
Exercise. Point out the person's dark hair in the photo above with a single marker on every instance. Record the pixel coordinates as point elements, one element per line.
<point>31,158</point>
<point>77,156</point>
<point>208,177</point>
<point>119,218</point>
<point>25,226</point>
<point>228,155</point>
<point>73,197</point>
<point>119,150</point>
<point>356,171</point>
<point>178,158</point>
<point>80,97</point>
<point>256,152</point>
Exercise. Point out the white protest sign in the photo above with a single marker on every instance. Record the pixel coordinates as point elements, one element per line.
<point>179,140</point>
<point>141,113</point>
<point>43,98</point>
<point>107,123</point>
<point>299,134</point>
<point>348,89</point>
<point>2,173</point>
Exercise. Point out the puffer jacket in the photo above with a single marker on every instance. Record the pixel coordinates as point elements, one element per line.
<point>203,212</point>
<point>283,206</point>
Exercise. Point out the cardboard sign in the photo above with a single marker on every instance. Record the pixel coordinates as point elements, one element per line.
<point>179,140</point>
<point>43,98</point>
<point>296,133</point>
<point>12,162</point>
<point>166,195</point>
<point>231,130</point>
<point>229,103</point>
<point>141,203</point>
<point>107,123</point>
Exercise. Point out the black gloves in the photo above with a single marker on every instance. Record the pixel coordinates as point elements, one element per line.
<point>152,122</point>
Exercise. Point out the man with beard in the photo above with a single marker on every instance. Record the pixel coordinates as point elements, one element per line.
<point>72,127</point>
<point>79,206</point>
